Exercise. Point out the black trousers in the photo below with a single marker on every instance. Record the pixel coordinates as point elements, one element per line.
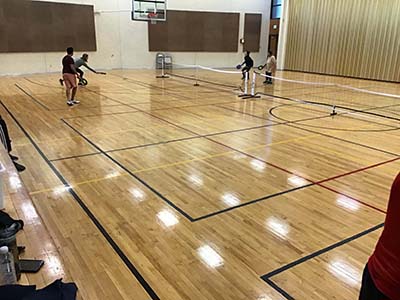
<point>80,72</point>
<point>268,79</point>
<point>4,136</point>
<point>369,291</point>
<point>245,71</point>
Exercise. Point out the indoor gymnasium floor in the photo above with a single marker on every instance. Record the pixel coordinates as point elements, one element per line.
<point>157,189</point>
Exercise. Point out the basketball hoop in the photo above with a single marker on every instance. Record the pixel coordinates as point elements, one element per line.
<point>153,17</point>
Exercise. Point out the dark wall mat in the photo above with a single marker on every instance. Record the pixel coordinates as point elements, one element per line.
<point>31,26</point>
<point>252,32</point>
<point>195,31</point>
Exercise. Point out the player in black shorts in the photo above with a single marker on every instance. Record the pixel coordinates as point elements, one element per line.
<point>248,64</point>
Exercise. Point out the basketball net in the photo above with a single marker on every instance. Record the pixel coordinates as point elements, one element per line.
<point>152,17</point>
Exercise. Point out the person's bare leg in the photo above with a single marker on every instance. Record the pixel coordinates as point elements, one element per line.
<point>74,93</point>
<point>68,93</point>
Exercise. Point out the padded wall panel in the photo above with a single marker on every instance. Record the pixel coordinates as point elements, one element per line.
<point>252,32</point>
<point>33,26</point>
<point>195,31</point>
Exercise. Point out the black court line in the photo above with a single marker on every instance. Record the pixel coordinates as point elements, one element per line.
<point>337,106</point>
<point>179,140</point>
<point>205,81</point>
<point>62,109</point>
<point>278,289</point>
<point>389,127</point>
<point>99,115</point>
<point>158,109</point>
<point>143,84</point>
<point>169,202</point>
<point>281,123</point>
<point>267,277</point>
<point>88,212</point>
<point>166,200</point>
<point>155,191</point>
<point>344,140</point>
<point>212,134</point>
<point>33,98</point>
<point>252,202</point>
<point>196,136</point>
<point>221,90</point>
<point>350,110</point>
<point>290,123</point>
<point>75,156</point>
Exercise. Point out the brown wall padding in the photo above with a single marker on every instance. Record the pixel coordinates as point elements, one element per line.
<point>30,26</point>
<point>252,32</point>
<point>194,31</point>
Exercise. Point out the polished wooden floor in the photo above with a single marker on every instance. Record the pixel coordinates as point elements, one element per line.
<point>157,189</point>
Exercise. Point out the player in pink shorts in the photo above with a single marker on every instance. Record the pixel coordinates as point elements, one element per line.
<point>69,77</point>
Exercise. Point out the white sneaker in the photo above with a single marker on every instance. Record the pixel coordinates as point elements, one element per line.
<point>75,101</point>
<point>70,103</point>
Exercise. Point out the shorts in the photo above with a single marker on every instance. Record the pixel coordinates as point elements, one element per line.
<point>69,80</point>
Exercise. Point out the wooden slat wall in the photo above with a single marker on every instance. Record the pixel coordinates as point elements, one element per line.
<point>252,32</point>
<point>195,31</point>
<point>36,26</point>
<point>357,38</point>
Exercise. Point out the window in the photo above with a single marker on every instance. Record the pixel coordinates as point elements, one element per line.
<point>276,9</point>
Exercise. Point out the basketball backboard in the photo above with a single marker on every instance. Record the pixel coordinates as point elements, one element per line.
<point>149,10</point>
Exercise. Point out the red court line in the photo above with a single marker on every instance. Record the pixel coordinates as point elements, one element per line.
<point>280,168</point>
<point>359,170</point>
<point>325,180</point>
<point>352,198</point>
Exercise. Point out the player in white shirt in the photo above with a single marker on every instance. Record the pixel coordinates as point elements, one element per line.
<point>270,67</point>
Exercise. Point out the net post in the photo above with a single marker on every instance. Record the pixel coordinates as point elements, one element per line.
<point>197,76</point>
<point>333,113</point>
<point>253,87</point>
<point>246,82</point>
<point>162,69</point>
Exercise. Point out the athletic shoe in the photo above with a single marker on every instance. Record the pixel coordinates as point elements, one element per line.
<point>75,101</point>
<point>20,168</point>
<point>266,81</point>
<point>62,82</point>
<point>70,103</point>
<point>13,157</point>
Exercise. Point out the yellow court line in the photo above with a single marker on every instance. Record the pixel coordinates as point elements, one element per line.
<point>179,163</point>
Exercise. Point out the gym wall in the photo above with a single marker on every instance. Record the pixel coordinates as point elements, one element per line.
<point>123,43</point>
<point>30,26</point>
<point>358,38</point>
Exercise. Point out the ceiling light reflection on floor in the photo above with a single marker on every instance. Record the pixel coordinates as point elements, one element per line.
<point>297,181</point>
<point>196,180</point>
<point>345,272</point>
<point>167,218</point>
<point>138,194</point>
<point>230,199</point>
<point>15,182</point>
<point>210,256</point>
<point>258,165</point>
<point>59,190</point>
<point>348,203</point>
<point>278,227</point>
